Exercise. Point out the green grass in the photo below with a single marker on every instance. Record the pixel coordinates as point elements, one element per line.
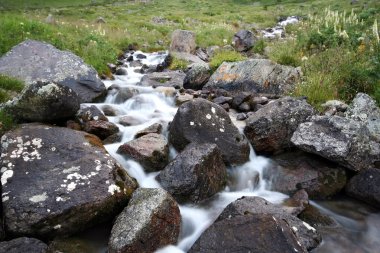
<point>35,4</point>
<point>9,87</point>
<point>225,56</point>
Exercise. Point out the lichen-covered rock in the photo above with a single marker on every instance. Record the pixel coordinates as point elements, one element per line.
<point>205,122</point>
<point>90,112</point>
<point>254,75</point>
<point>151,150</point>
<point>58,181</point>
<point>33,61</point>
<point>166,79</point>
<point>363,108</point>
<point>44,102</point>
<point>269,129</point>
<point>101,128</point>
<point>23,244</point>
<point>197,76</point>
<point>197,173</point>
<point>244,40</point>
<point>150,221</point>
<point>319,177</point>
<point>183,41</point>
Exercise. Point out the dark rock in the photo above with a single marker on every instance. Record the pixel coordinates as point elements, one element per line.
<point>70,245</point>
<point>181,98</point>
<point>101,128</point>
<point>183,41</point>
<point>202,54</point>
<point>129,121</point>
<point>314,217</point>
<point>33,61</point>
<point>197,173</point>
<point>222,99</point>
<point>254,75</point>
<point>245,107</point>
<point>270,129</point>
<point>23,244</point>
<point>156,128</point>
<point>241,116</point>
<point>240,98</point>
<point>260,233</point>
<point>44,102</point>
<point>226,107</point>
<point>112,67</point>
<point>57,181</point>
<point>305,234</point>
<point>260,100</point>
<point>109,110</point>
<point>150,221</point>
<point>168,79</point>
<point>296,203</point>
<point>113,138</point>
<point>73,125</point>
<point>243,40</point>
<point>121,71</point>
<point>366,187</point>
<point>197,76</point>
<point>291,172</point>
<point>151,150</point>
<point>205,122</point>
<point>141,56</point>
<point>135,64</point>
<point>89,113</point>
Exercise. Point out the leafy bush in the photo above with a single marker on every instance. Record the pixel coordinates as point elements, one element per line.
<point>225,56</point>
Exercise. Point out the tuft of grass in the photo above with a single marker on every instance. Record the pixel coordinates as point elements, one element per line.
<point>225,56</point>
<point>8,87</point>
<point>259,47</point>
<point>178,64</point>
<point>6,122</point>
<point>286,53</point>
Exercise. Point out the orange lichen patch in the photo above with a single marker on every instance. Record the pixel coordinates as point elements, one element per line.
<point>266,84</point>
<point>94,141</point>
<point>227,77</point>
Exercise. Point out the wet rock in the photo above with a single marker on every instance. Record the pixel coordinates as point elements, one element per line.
<point>167,91</point>
<point>135,64</point>
<point>129,121</point>
<point>260,233</point>
<point>183,41</point>
<point>243,40</point>
<point>113,138</point>
<point>70,245</point>
<point>121,71</point>
<point>101,128</point>
<point>124,94</point>
<point>197,76</point>
<point>254,75</point>
<point>197,173</point>
<point>305,234</point>
<point>226,107</point>
<point>245,107</point>
<point>181,98</point>
<point>270,129</point>
<point>23,244</point>
<point>240,98</point>
<point>141,56</point>
<point>44,102</point>
<point>205,122</point>
<point>241,116</point>
<point>150,221</point>
<point>33,61</point>
<point>73,125</point>
<point>90,112</point>
<point>293,171</point>
<point>345,141</point>
<point>314,217</point>
<point>58,186</point>
<point>366,187</point>
<point>156,128</point>
<point>166,79</point>
<point>109,110</point>
<point>296,203</point>
<point>151,151</point>
<point>222,100</point>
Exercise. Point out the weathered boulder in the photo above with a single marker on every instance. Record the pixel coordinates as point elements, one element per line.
<point>291,172</point>
<point>269,129</point>
<point>197,173</point>
<point>202,121</point>
<point>33,61</point>
<point>150,221</point>
<point>366,187</point>
<point>90,112</point>
<point>23,244</point>
<point>363,108</point>
<point>197,76</point>
<point>156,128</point>
<point>58,181</point>
<point>345,141</point>
<point>305,234</point>
<point>243,40</point>
<point>44,102</point>
<point>166,79</point>
<point>151,150</point>
<point>101,128</point>
<point>259,233</point>
<point>254,75</point>
<point>183,41</point>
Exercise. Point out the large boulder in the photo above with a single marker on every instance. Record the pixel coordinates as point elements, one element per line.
<point>183,41</point>
<point>291,172</point>
<point>345,141</point>
<point>254,75</point>
<point>44,102</point>
<point>33,61</point>
<point>366,187</point>
<point>166,79</point>
<point>205,122</point>
<point>150,150</point>
<point>197,173</point>
<point>269,129</point>
<point>58,181</point>
<point>150,221</point>
<point>243,40</point>
<point>197,76</point>
<point>23,244</point>
<point>306,235</point>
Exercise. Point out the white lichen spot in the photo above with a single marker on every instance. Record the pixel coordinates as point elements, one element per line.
<point>208,116</point>
<point>5,176</point>
<point>48,210</point>
<point>221,130</point>
<point>37,142</point>
<point>48,89</point>
<point>86,144</point>
<point>98,167</point>
<point>213,110</point>
<point>71,169</point>
<point>53,149</point>
<point>274,218</point>
<point>294,229</point>
<point>107,182</point>
<point>98,162</point>
<point>57,226</point>
<point>191,123</point>
<point>58,199</point>
<point>3,169</point>
<point>5,198</point>
<point>39,198</point>
<point>71,186</point>
<point>113,188</point>
<point>308,226</point>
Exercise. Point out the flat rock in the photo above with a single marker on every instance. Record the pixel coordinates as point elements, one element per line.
<point>32,61</point>
<point>58,181</point>
<point>150,221</point>
<point>166,79</point>
<point>23,244</point>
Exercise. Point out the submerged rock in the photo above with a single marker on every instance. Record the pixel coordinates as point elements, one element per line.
<point>183,41</point>
<point>202,121</point>
<point>150,221</point>
<point>23,244</point>
<point>58,186</point>
<point>166,79</point>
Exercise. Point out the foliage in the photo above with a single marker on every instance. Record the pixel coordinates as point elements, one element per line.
<point>225,56</point>
<point>6,122</point>
<point>9,86</point>
<point>178,64</point>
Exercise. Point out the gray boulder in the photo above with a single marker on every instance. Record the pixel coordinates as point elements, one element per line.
<point>23,244</point>
<point>101,128</point>
<point>197,76</point>
<point>33,61</point>
<point>254,75</point>
<point>363,108</point>
<point>197,173</point>
<point>243,40</point>
<point>44,102</point>
<point>167,79</point>
<point>269,129</point>
<point>150,221</point>
<point>202,121</point>
<point>58,181</point>
<point>183,41</point>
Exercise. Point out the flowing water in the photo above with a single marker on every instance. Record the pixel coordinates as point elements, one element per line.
<point>150,106</point>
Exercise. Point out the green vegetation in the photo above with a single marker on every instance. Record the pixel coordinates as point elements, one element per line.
<point>178,64</point>
<point>6,122</point>
<point>8,87</point>
<point>225,56</point>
